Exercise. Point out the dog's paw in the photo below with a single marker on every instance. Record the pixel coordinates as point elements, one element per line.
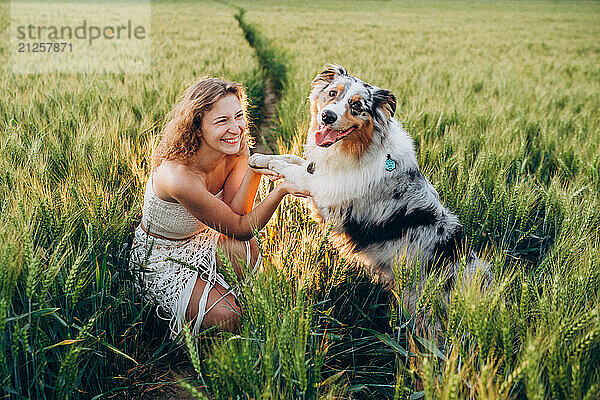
<point>278,166</point>
<point>293,174</point>
<point>258,161</point>
<point>292,159</point>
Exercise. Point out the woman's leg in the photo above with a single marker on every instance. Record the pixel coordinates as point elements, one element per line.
<point>222,307</point>
<point>236,253</point>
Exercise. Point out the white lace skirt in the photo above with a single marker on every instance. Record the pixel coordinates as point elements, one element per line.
<point>168,269</point>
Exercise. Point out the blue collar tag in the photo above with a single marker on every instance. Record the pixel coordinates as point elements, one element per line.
<point>390,164</point>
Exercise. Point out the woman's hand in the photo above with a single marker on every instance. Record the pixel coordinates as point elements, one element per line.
<point>272,175</point>
<point>288,188</point>
<point>285,187</point>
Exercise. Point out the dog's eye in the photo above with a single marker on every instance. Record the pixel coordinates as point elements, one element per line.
<point>332,93</point>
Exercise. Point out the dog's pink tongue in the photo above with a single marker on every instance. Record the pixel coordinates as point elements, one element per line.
<point>325,136</point>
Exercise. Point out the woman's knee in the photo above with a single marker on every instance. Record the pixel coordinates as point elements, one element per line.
<point>220,309</point>
<point>236,250</point>
<point>230,321</point>
<point>226,315</point>
<point>254,250</point>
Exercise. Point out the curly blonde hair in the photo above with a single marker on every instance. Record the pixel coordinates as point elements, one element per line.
<point>181,134</point>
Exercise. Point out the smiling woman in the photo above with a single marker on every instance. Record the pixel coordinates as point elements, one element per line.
<point>199,197</point>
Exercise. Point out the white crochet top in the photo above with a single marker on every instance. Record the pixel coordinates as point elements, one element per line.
<point>168,219</point>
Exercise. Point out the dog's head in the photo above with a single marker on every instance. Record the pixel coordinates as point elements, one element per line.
<point>348,110</point>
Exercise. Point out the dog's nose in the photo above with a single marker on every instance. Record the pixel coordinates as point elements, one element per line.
<point>328,117</point>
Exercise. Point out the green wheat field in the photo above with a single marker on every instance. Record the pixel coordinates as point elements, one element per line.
<point>503,102</point>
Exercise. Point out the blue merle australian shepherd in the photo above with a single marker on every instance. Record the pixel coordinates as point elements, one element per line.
<point>362,172</point>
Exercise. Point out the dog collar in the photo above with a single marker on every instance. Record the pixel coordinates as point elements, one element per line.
<point>390,164</point>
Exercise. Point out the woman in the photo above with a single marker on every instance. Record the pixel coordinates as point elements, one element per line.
<point>199,196</point>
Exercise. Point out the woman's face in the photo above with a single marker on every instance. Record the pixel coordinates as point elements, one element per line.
<point>223,126</point>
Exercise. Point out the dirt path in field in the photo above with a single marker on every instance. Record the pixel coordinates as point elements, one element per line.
<point>272,63</point>
<point>265,139</point>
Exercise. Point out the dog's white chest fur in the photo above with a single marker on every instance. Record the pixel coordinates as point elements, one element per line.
<point>338,177</point>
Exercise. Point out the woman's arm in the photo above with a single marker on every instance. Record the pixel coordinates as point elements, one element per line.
<point>241,186</point>
<point>213,212</point>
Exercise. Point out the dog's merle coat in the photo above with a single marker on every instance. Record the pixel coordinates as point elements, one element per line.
<point>362,172</point>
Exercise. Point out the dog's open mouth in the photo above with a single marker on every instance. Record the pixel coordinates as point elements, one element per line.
<point>327,136</point>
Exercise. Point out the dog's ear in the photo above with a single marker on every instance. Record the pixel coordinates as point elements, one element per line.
<point>385,101</point>
<point>328,75</point>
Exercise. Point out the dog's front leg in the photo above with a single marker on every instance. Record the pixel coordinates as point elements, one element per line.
<point>292,167</point>
<point>261,161</point>
<point>295,174</point>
